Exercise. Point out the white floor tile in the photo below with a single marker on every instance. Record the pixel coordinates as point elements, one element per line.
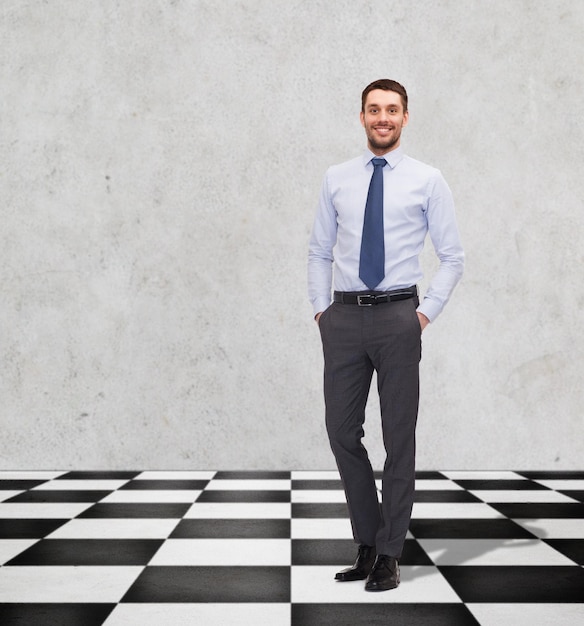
<point>528,614</point>
<point>482,475</point>
<point>321,529</point>
<point>49,510</point>
<point>249,485</point>
<point>316,475</point>
<point>9,548</point>
<point>239,510</point>
<point>437,485</point>
<point>218,552</point>
<point>115,529</point>
<point>67,584</point>
<point>175,475</point>
<point>419,584</point>
<point>324,495</point>
<point>454,510</point>
<point>324,529</point>
<point>81,485</point>
<point>520,495</point>
<point>151,495</point>
<point>553,528</point>
<point>6,495</point>
<point>492,552</point>
<point>563,485</point>
<point>231,614</point>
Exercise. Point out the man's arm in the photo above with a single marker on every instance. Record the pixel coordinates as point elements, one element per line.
<point>320,253</point>
<point>446,241</point>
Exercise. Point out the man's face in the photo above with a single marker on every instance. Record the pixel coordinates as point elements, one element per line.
<point>383,120</point>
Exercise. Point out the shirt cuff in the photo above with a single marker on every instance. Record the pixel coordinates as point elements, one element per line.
<point>321,304</point>
<point>430,309</point>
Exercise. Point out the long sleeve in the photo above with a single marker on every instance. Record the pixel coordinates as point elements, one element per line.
<point>443,231</point>
<point>320,252</point>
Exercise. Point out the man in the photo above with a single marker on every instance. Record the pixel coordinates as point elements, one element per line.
<point>373,215</point>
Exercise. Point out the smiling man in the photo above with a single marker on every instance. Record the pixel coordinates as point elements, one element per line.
<point>373,216</point>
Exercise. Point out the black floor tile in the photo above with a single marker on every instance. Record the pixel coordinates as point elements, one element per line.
<point>540,510</point>
<point>430,475</point>
<point>51,495</point>
<point>445,496</point>
<point>29,528</point>
<point>232,528</point>
<point>553,475</point>
<point>19,485</point>
<point>89,552</point>
<point>518,584</point>
<point>572,548</point>
<point>333,510</point>
<point>252,475</point>
<point>162,510</point>
<point>576,494</point>
<point>500,485</point>
<point>382,614</point>
<point>343,552</point>
<point>211,584</point>
<point>165,485</point>
<point>244,496</point>
<point>98,475</point>
<point>317,484</point>
<point>340,552</point>
<point>468,529</point>
<point>57,614</point>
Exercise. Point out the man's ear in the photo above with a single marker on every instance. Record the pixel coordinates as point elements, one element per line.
<point>362,118</point>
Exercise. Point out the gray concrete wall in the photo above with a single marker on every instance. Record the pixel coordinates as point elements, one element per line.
<point>160,164</point>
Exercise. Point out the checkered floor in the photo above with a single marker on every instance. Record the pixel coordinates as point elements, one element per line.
<point>251,548</point>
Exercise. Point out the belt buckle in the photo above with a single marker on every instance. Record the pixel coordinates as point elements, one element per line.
<point>360,301</point>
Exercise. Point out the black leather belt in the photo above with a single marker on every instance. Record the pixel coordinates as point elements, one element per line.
<point>371,299</point>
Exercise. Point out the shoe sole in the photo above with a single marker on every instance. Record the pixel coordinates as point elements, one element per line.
<point>349,579</point>
<point>380,588</point>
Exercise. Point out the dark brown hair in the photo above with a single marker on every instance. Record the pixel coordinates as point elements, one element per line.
<point>387,85</point>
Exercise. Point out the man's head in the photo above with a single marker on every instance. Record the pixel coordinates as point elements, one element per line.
<point>387,85</point>
<point>384,112</point>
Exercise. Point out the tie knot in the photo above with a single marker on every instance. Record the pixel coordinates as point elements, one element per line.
<point>378,162</point>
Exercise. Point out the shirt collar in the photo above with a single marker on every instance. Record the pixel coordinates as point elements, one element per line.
<point>393,157</point>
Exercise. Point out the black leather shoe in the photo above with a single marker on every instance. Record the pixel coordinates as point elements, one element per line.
<point>362,566</point>
<point>384,574</point>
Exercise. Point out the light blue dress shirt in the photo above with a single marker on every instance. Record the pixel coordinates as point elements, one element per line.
<point>416,201</point>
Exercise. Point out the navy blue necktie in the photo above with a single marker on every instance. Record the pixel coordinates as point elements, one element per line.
<point>372,259</point>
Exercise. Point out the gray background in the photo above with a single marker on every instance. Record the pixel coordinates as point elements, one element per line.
<point>160,166</point>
